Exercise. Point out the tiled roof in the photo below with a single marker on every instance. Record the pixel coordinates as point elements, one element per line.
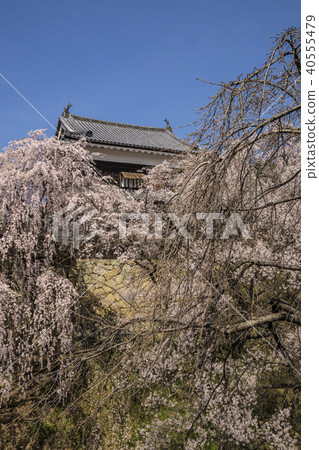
<point>121,134</point>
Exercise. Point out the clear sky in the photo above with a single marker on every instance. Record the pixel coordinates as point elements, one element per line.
<point>127,61</point>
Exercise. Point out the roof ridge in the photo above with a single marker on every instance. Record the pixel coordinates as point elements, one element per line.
<point>127,125</point>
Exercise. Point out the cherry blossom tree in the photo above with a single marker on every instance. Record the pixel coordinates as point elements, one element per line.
<point>43,298</point>
<point>223,322</point>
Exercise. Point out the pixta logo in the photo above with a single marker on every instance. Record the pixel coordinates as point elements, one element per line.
<point>70,218</point>
<point>234,227</point>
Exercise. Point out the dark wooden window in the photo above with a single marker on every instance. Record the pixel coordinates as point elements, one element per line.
<point>130,180</point>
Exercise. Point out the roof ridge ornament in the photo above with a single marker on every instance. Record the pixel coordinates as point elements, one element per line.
<point>66,111</point>
<point>168,125</point>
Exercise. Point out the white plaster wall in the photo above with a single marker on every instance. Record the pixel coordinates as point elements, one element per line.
<point>127,155</point>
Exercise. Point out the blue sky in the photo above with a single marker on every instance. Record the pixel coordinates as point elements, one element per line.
<point>127,61</point>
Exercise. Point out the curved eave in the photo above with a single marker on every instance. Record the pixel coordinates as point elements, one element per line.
<point>128,148</point>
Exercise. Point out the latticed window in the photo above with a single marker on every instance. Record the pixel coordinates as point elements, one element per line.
<point>131,180</point>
